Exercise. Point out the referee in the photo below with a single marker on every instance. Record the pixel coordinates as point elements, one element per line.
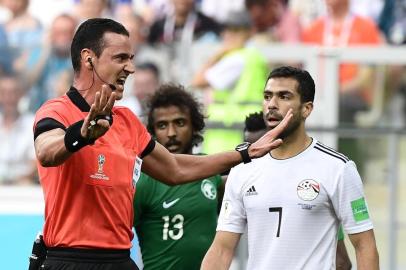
<point>89,152</point>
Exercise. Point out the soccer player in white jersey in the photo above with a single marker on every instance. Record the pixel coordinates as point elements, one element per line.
<point>293,200</point>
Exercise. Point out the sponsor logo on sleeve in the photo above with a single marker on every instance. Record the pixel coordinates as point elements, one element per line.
<point>359,209</point>
<point>225,210</point>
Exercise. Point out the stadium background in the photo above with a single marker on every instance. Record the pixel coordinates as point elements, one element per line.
<point>380,131</point>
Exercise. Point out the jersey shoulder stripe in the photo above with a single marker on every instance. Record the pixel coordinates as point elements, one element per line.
<point>332,150</point>
<point>330,153</point>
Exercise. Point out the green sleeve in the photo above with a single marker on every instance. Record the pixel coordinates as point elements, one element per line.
<point>340,236</point>
<point>140,197</point>
<point>217,180</point>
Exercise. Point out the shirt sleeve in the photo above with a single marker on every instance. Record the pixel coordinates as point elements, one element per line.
<point>349,201</point>
<point>218,180</point>
<point>50,110</point>
<point>140,198</point>
<point>138,131</point>
<point>232,216</point>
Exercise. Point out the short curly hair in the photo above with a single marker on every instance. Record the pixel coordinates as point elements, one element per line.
<point>254,122</point>
<point>176,95</point>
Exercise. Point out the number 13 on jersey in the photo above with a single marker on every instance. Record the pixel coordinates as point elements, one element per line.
<point>173,227</point>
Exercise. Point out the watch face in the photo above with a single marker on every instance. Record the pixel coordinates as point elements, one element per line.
<point>242,146</point>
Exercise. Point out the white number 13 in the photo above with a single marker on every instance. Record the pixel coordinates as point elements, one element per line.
<point>177,227</point>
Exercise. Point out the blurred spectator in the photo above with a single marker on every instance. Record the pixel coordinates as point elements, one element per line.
<point>151,10</point>
<point>47,10</point>
<point>307,10</point>
<point>5,13</point>
<point>145,82</point>
<point>393,21</point>
<point>122,8</point>
<point>341,28</point>
<point>63,81</point>
<point>237,74</point>
<point>23,30</point>
<point>367,8</point>
<point>137,28</point>
<point>273,21</point>
<point>45,63</point>
<point>17,155</point>
<point>5,53</point>
<point>86,9</point>
<point>221,9</point>
<point>183,24</point>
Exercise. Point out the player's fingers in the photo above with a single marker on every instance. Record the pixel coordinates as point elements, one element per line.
<point>283,124</point>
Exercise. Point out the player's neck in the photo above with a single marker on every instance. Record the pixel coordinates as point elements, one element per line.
<point>292,145</point>
<point>82,85</point>
<point>339,13</point>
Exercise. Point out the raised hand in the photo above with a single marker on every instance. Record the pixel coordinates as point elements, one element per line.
<point>270,139</point>
<point>96,123</point>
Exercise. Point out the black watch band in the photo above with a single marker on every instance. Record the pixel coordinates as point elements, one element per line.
<point>243,150</point>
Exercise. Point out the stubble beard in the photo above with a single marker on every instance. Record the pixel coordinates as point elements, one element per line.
<point>290,129</point>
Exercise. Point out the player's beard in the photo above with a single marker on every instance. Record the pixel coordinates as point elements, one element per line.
<point>291,128</point>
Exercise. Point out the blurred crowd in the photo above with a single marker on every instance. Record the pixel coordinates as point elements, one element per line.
<point>35,62</point>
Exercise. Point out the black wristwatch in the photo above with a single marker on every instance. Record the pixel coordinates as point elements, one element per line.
<point>242,148</point>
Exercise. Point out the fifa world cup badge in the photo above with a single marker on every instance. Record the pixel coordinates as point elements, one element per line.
<point>101,160</point>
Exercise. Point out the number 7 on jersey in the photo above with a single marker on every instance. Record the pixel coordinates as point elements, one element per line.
<point>279,210</point>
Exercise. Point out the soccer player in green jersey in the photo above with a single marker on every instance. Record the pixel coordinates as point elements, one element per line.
<point>175,224</point>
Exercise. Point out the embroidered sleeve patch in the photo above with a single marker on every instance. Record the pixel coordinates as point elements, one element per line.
<point>359,209</point>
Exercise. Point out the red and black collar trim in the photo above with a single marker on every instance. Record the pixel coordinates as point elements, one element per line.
<point>77,99</point>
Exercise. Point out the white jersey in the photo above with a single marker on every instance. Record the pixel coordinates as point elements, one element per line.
<point>293,208</point>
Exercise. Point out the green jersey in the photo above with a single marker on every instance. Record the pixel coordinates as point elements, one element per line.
<point>175,225</point>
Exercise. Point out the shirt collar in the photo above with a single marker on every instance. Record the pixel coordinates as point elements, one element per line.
<point>77,99</point>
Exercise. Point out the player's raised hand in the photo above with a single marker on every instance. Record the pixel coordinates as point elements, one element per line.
<point>270,139</point>
<point>97,122</point>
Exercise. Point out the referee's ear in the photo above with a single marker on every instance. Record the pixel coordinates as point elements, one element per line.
<point>307,108</point>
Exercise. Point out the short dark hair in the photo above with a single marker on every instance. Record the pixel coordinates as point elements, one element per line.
<point>306,87</point>
<point>90,35</point>
<point>255,122</point>
<point>176,95</point>
<point>250,3</point>
<point>149,66</point>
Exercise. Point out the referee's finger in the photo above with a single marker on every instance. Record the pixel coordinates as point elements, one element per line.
<point>110,103</point>
<point>87,121</point>
<point>103,97</point>
<point>283,124</point>
<point>96,102</point>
